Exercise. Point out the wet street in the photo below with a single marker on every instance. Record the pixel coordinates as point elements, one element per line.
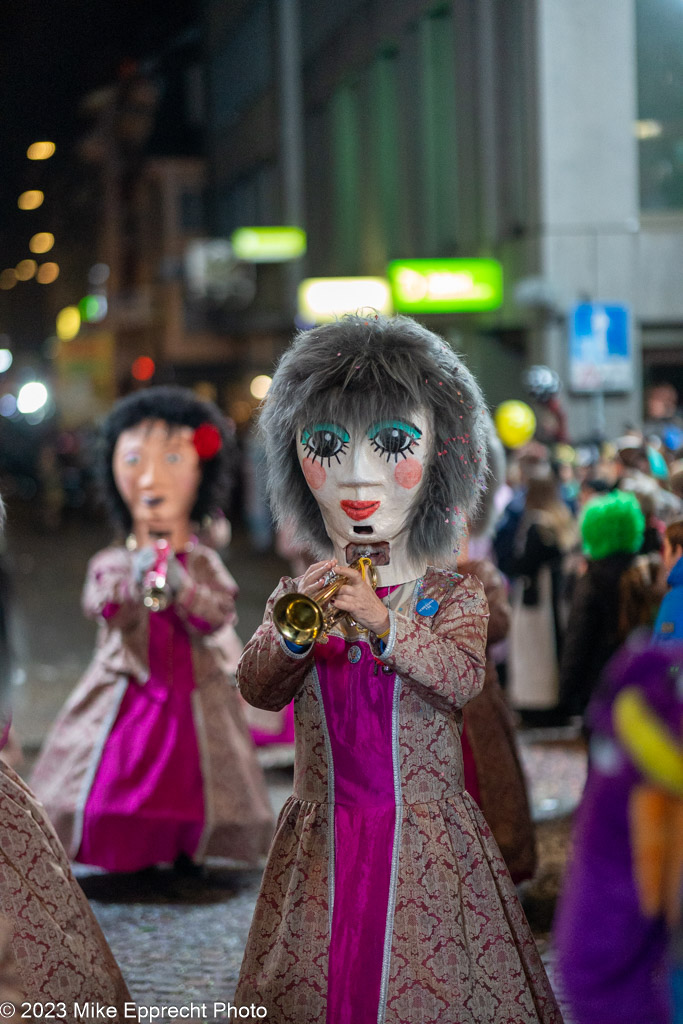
<point>180,941</point>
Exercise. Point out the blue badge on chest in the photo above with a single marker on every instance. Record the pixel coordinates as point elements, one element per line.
<point>427,607</point>
<point>355,654</point>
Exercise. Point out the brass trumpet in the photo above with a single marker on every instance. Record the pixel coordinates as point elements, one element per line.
<point>302,619</point>
<point>156,594</point>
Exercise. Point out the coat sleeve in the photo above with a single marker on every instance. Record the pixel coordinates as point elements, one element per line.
<point>269,675</point>
<point>206,600</point>
<point>444,663</point>
<point>110,593</point>
<point>10,994</point>
<point>496,595</point>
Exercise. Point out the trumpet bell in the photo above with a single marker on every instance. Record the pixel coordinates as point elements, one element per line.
<point>302,619</point>
<point>157,598</point>
<point>298,618</point>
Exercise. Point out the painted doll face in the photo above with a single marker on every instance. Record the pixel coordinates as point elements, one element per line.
<point>365,482</point>
<point>157,472</point>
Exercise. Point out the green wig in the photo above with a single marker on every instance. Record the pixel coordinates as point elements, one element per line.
<point>612,523</point>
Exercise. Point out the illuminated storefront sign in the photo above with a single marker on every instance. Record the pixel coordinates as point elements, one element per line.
<point>268,245</point>
<point>322,299</point>
<point>446,286</point>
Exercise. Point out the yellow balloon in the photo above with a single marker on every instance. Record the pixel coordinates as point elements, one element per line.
<point>515,423</point>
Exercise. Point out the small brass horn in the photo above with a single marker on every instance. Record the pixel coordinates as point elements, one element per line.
<point>302,619</point>
<point>156,594</point>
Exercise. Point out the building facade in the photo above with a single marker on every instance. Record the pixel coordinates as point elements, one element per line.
<point>539,132</point>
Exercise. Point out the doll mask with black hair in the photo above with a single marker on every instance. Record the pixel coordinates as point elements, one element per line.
<point>157,471</point>
<point>366,483</point>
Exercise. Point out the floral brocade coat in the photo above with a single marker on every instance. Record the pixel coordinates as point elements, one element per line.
<point>51,947</point>
<point>416,926</point>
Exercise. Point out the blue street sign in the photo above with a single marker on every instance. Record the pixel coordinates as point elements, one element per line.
<point>600,350</point>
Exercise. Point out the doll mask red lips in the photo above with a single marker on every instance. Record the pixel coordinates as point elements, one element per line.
<point>359,509</point>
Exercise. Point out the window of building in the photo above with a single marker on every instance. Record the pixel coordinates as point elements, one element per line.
<point>241,69</point>
<point>346,177</point>
<point>659,26</point>
<point>438,131</point>
<point>384,140</point>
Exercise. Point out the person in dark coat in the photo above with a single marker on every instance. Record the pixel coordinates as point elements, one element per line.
<point>612,529</point>
<point>494,776</point>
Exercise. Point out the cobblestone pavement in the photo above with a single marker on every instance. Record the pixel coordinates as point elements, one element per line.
<point>180,941</point>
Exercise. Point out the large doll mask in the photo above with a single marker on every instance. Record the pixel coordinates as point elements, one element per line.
<point>157,472</point>
<point>366,483</point>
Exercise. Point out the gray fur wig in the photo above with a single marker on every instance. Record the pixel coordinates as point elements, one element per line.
<point>358,371</point>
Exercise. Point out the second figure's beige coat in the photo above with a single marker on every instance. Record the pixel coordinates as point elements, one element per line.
<point>238,818</point>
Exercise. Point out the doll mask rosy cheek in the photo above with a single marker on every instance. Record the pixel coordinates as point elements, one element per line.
<point>408,473</point>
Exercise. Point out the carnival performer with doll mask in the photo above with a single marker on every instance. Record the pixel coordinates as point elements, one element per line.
<point>151,761</point>
<point>385,898</point>
<point>52,949</point>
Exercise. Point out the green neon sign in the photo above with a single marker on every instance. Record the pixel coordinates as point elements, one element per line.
<point>445,286</point>
<point>268,245</point>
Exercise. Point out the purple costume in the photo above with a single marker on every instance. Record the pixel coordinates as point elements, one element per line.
<point>611,957</point>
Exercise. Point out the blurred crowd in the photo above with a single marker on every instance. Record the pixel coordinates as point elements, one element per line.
<point>581,537</point>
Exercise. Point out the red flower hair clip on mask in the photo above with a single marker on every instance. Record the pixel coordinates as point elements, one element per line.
<point>207,440</point>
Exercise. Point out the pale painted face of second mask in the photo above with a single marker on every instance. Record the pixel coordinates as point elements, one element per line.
<point>157,473</point>
<point>366,482</point>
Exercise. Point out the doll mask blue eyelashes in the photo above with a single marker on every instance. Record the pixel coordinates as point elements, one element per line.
<point>394,437</point>
<point>325,441</point>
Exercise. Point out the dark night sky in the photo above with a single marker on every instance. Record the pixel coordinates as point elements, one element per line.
<point>54,51</point>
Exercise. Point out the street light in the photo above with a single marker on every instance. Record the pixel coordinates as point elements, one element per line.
<point>143,368</point>
<point>47,273</point>
<point>42,242</point>
<point>25,270</point>
<point>40,150</point>
<point>32,397</point>
<point>259,385</point>
<point>93,308</point>
<point>8,405</point>
<point>8,279</point>
<point>98,274</point>
<point>31,199</point>
<point>68,323</point>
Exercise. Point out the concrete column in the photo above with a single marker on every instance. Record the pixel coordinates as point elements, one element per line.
<point>588,167</point>
<point>291,133</point>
